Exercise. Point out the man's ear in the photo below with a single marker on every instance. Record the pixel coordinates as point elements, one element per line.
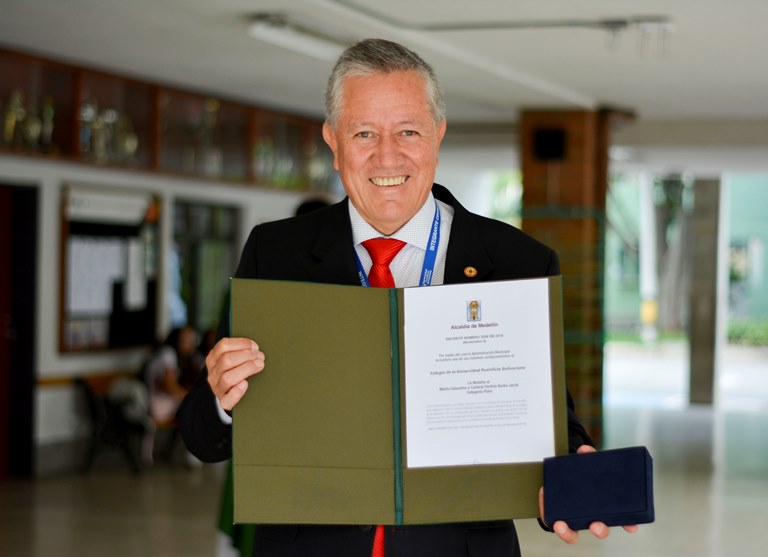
<point>330,138</point>
<point>440,134</point>
<point>441,127</point>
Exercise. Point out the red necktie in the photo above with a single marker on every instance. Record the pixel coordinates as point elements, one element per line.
<point>382,252</point>
<point>378,542</point>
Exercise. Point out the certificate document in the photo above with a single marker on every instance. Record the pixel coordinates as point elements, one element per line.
<point>478,379</point>
<point>398,406</point>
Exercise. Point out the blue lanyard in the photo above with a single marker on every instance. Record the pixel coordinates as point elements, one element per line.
<point>429,257</point>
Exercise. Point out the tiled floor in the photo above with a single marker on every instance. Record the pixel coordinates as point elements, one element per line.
<point>711,479</point>
<point>710,463</point>
<point>167,512</point>
<point>702,509</point>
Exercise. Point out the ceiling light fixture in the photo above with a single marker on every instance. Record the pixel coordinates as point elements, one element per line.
<point>279,30</point>
<point>605,24</point>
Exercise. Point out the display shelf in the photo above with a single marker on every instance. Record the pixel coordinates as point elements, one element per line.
<point>49,108</point>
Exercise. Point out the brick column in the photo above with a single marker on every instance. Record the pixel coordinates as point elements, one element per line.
<point>703,320</point>
<point>564,159</point>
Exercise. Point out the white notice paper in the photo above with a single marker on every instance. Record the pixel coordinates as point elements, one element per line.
<point>478,374</point>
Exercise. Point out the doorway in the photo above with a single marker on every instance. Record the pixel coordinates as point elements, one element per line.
<point>18,263</point>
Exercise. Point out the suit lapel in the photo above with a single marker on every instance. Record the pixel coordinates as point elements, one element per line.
<point>466,260</point>
<point>333,250</point>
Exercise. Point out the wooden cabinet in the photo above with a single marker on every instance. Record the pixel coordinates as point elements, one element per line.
<point>79,114</point>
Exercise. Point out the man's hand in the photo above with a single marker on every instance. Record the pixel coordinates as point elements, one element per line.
<point>598,529</point>
<point>230,363</point>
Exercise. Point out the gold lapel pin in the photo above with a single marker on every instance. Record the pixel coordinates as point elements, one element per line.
<point>470,272</point>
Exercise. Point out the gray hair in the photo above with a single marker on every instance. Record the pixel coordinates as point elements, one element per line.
<point>378,55</point>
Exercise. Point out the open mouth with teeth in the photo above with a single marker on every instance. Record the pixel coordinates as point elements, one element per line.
<point>391,181</point>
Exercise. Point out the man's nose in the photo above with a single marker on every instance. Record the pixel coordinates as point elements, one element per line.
<point>388,152</point>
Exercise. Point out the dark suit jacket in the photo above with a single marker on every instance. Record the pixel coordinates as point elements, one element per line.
<point>318,247</point>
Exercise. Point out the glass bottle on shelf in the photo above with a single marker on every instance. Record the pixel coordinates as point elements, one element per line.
<point>98,136</point>
<point>104,136</point>
<point>126,140</point>
<point>46,131</point>
<point>87,115</point>
<point>264,158</point>
<point>31,129</point>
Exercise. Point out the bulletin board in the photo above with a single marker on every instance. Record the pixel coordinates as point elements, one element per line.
<point>109,268</point>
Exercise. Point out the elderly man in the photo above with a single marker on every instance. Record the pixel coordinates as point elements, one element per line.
<point>385,119</point>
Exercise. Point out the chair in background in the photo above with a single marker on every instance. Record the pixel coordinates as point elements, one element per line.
<point>110,429</point>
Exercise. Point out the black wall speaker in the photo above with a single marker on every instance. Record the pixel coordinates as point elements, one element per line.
<point>549,144</point>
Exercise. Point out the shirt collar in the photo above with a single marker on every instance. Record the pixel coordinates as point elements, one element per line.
<point>415,232</point>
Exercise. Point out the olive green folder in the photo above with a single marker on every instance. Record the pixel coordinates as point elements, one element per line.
<point>319,437</point>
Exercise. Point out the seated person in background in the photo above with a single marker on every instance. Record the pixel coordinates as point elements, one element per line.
<point>169,372</point>
<point>131,396</point>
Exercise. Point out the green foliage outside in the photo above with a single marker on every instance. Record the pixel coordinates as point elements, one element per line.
<point>752,332</point>
<point>748,332</point>
<point>626,336</point>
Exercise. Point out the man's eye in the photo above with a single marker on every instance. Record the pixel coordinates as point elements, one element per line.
<point>409,133</point>
<point>364,135</point>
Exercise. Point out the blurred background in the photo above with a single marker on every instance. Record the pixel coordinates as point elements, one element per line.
<point>140,141</point>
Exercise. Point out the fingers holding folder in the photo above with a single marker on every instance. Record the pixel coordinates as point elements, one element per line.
<point>230,363</point>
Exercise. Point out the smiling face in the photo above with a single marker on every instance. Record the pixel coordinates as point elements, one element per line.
<point>385,144</point>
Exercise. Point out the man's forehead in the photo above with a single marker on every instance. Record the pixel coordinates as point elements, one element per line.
<point>406,101</point>
<point>386,80</point>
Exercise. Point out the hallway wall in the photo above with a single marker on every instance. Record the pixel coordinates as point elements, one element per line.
<point>56,413</point>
